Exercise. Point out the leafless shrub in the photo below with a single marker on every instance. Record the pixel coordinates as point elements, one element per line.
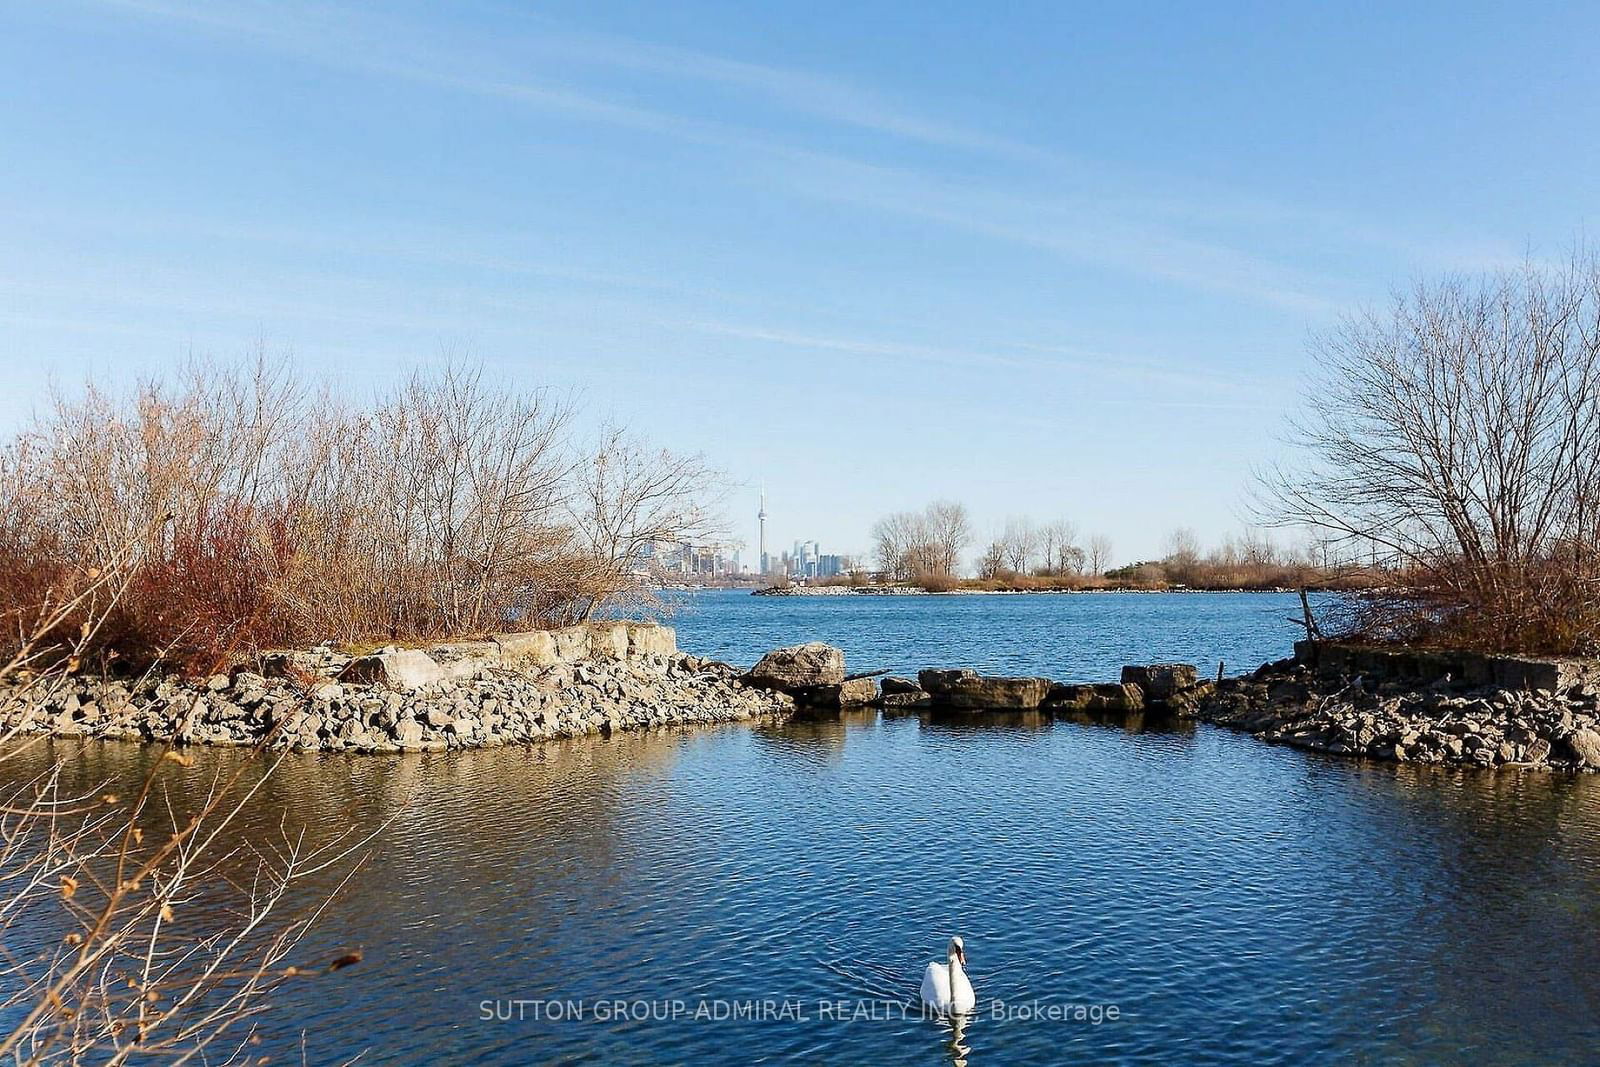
<point>455,517</point>
<point>252,511</point>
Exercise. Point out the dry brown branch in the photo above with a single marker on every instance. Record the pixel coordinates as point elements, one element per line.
<point>134,926</point>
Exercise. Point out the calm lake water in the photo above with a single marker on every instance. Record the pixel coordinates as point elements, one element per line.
<point>1076,637</point>
<point>1234,901</point>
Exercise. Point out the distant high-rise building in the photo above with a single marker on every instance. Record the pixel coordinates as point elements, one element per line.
<point>761,524</point>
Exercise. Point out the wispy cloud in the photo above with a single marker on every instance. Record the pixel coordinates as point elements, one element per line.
<point>493,254</point>
<point>1182,240</point>
<point>362,39</point>
<point>1092,231</point>
<point>1050,359</point>
<point>803,92</point>
<point>1080,229</point>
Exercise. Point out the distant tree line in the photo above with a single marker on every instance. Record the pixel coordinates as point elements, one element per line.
<point>1050,550</point>
<point>1249,560</point>
<point>924,548</point>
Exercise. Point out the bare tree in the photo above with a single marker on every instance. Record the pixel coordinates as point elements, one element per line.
<point>1459,431</point>
<point>1182,559</point>
<point>464,503</point>
<point>992,564</point>
<point>1059,543</point>
<point>631,497</point>
<point>1099,554</point>
<point>925,545</point>
<point>1048,536</point>
<point>893,537</point>
<point>1256,549</point>
<point>949,533</point>
<point>1182,547</point>
<point>1021,542</point>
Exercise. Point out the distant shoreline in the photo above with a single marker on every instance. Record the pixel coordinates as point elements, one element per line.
<point>902,590</point>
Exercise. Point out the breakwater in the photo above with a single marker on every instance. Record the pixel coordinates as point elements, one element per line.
<point>1406,705</point>
<point>511,688</point>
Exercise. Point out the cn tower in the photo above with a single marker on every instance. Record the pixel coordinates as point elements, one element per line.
<point>761,525</point>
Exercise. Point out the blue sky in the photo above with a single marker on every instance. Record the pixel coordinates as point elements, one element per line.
<point>1049,259</point>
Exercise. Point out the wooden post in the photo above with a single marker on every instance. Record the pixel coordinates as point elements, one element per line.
<point>1312,633</point>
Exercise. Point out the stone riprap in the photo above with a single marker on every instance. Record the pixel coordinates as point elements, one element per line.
<point>1428,706</point>
<point>466,695</point>
<point>1420,706</point>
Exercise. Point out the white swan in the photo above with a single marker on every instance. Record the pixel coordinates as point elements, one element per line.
<point>945,987</point>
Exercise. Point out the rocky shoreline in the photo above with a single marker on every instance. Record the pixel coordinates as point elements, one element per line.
<point>814,675</point>
<point>1423,706</point>
<point>1404,705</point>
<point>911,590</point>
<point>1420,706</point>
<point>512,689</point>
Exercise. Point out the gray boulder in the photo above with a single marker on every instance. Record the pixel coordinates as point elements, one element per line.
<point>1105,697</point>
<point>401,668</point>
<point>798,667</point>
<point>966,689</point>
<point>1159,681</point>
<point>916,698</point>
<point>1584,747</point>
